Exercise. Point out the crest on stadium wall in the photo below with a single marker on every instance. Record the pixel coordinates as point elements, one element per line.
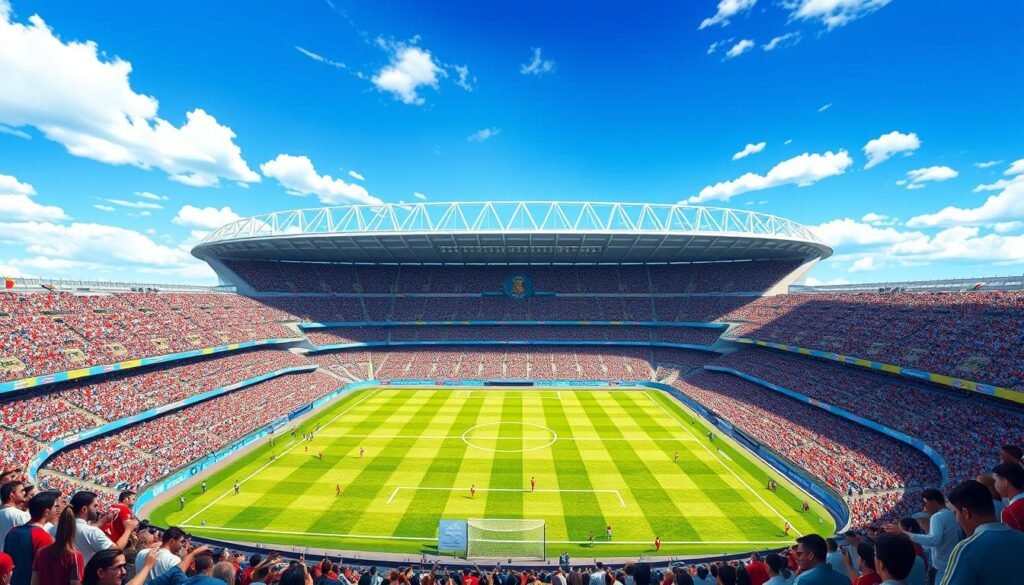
<point>518,286</point>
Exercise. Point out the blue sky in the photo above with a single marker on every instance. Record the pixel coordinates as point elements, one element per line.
<point>893,128</point>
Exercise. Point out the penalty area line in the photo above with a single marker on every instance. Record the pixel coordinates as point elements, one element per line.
<point>271,462</point>
<point>617,493</point>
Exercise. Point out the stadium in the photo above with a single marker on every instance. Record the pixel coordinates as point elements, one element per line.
<point>510,380</point>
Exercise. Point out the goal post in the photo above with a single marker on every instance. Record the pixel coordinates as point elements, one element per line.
<point>499,538</point>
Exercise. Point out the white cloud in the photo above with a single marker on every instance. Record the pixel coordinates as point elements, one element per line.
<point>154,196</point>
<point>782,41</point>
<point>997,186</point>
<point>482,135</point>
<point>848,232</point>
<point>714,46</point>
<point>788,141</point>
<point>465,81</point>
<point>802,170</point>
<point>17,204</point>
<point>106,208</point>
<point>208,218</point>
<point>812,281</point>
<point>726,10</point>
<point>1016,168</point>
<point>882,148</point>
<point>749,149</point>
<point>878,219</point>
<point>90,241</point>
<point>987,164</point>
<point>410,69</point>
<point>832,13</point>
<point>356,175</point>
<point>537,66</point>
<point>320,58</point>
<point>1007,205</point>
<point>1007,226</point>
<point>824,107</point>
<point>865,264</point>
<point>297,175</point>
<point>739,48</point>
<point>918,177</point>
<point>135,204</point>
<point>73,96</point>
<point>419,196</point>
<point>4,129</point>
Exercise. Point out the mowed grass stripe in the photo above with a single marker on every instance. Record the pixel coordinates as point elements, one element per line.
<point>507,468</point>
<point>288,480</point>
<point>369,484</point>
<point>786,500</point>
<point>541,462</point>
<point>427,507</point>
<point>722,508</point>
<point>582,511</point>
<point>659,509</point>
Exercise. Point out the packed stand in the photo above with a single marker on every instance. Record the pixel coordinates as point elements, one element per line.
<point>962,428</point>
<point>977,336</point>
<point>729,277</point>
<point>49,332</point>
<point>518,333</point>
<point>848,457</point>
<point>155,448</point>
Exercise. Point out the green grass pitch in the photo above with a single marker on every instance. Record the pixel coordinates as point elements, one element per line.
<point>600,456</point>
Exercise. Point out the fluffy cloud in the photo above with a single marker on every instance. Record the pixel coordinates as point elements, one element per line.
<point>848,232</point>
<point>885,146</point>
<point>537,66</point>
<point>987,164</point>
<point>482,135</point>
<point>782,41</point>
<point>107,208</point>
<point>802,170</point>
<point>410,69</point>
<point>4,129</point>
<point>726,10</point>
<point>297,175</point>
<point>918,177</point>
<point>17,203</point>
<point>1006,205</point>
<point>832,13</point>
<point>739,48</point>
<point>80,99</point>
<point>152,196</point>
<point>878,219</point>
<point>465,80</point>
<point>90,241</point>
<point>1016,168</point>
<point>749,149</point>
<point>356,175</point>
<point>714,46</point>
<point>207,218</point>
<point>812,281</point>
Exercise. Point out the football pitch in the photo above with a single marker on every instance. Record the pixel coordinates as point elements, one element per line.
<point>406,458</point>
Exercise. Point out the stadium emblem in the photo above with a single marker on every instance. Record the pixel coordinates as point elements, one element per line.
<point>518,286</point>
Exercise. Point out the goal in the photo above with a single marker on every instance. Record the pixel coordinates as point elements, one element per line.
<point>499,538</point>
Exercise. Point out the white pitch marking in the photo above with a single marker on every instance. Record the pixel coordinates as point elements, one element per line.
<point>434,538</point>
<point>446,437</point>
<point>523,490</point>
<point>268,464</point>
<point>717,458</point>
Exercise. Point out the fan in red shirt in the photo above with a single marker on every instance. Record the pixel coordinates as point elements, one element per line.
<point>122,511</point>
<point>1010,484</point>
<point>757,570</point>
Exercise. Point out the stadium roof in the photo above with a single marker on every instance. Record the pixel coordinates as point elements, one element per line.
<point>512,233</point>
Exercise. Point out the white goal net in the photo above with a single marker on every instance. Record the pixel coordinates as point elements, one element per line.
<point>496,538</point>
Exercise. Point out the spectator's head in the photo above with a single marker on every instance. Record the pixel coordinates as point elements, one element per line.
<point>932,500</point>
<point>972,505</point>
<point>107,567</point>
<point>86,505</point>
<point>1008,479</point>
<point>600,565</point>
<point>225,571</point>
<point>727,575</point>
<point>911,525</point>
<point>1011,454</point>
<point>27,492</point>
<point>255,559</point>
<point>894,556</point>
<point>12,493</point>
<point>831,544</point>
<point>866,554</point>
<point>853,537</point>
<point>989,480</point>
<point>127,497</point>
<point>6,568</point>
<point>43,507</point>
<point>173,539</point>
<point>755,557</point>
<point>67,528</point>
<point>777,566</point>
<point>810,551</point>
<point>203,564</point>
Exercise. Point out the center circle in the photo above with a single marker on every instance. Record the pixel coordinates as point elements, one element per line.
<point>496,438</point>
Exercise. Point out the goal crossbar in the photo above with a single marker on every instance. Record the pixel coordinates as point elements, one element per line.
<point>506,538</point>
